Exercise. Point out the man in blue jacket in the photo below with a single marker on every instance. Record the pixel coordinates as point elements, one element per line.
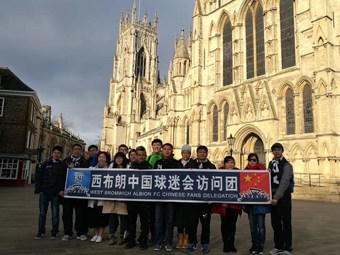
<point>46,186</point>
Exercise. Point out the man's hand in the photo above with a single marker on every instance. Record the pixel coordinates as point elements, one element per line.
<point>274,202</point>
<point>70,166</point>
<point>269,170</point>
<point>225,205</point>
<point>61,193</point>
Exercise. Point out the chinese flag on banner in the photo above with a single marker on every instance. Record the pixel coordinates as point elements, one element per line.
<point>250,181</point>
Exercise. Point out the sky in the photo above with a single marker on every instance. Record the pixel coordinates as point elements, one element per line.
<point>64,50</point>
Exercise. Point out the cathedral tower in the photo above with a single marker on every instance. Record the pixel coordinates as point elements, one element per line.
<point>134,81</point>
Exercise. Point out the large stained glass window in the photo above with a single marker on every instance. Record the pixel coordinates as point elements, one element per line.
<point>227,54</point>
<point>287,33</point>
<point>290,113</point>
<point>308,109</point>
<point>140,63</point>
<point>215,124</point>
<point>226,113</point>
<point>255,41</point>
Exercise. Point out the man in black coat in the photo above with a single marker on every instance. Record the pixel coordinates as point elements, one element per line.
<point>200,212</point>
<point>46,185</point>
<point>76,160</point>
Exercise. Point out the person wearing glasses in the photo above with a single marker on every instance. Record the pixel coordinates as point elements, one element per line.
<point>256,213</point>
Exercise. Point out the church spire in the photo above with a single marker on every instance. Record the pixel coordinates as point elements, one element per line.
<point>190,36</point>
<point>121,24</point>
<point>176,41</point>
<point>145,19</point>
<point>181,49</point>
<point>127,17</point>
<point>134,12</point>
<point>156,21</point>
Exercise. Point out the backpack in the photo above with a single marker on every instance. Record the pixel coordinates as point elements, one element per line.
<point>292,181</point>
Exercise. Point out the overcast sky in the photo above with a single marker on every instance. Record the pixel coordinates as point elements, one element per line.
<point>64,49</point>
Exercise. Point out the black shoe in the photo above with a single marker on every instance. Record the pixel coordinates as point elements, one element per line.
<point>260,249</point>
<point>39,236</point>
<point>232,247</point>
<point>143,245</point>
<point>130,245</point>
<point>226,247</point>
<point>53,236</point>
<point>253,249</point>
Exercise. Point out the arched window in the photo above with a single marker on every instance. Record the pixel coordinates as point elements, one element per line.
<point>226,112</point>
<point>255,41</point>
<point>185,67</point>
<point>140,63</point>
<point>142,106</point>
<point>308,109</point>
<point>227,54</point>
<point>215,124</point>
<point>180,68</point>
<point>287,33</point>
<point>290,113</point>
<point>188,133</point>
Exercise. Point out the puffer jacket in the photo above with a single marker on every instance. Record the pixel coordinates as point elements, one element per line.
<point>47,177</point>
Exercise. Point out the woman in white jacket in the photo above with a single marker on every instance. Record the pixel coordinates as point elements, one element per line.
<point>97,220</point>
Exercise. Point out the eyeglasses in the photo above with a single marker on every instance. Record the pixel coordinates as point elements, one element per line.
<point>252,159</point>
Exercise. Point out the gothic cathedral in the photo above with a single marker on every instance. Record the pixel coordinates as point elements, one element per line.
<point>262,71</point>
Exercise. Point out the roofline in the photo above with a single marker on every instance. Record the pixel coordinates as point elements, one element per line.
<point>20,93</point>
<point>9,70</point>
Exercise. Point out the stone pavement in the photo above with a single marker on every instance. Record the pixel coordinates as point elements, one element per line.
<point>316,230</point>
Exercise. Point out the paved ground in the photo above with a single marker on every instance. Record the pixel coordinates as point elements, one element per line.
<point>316,227</point>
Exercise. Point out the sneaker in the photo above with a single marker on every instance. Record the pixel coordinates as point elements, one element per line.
<point>39,236</point>
<point>157,247</point>
<point>286,252</point>
<point>192,247</point>
<point>260,249</point>
<point>143,244</point>
<point>82,238</point>
<point>53,236</point>
<point>253,249</point>
<point>113,240</point>
<point>205,248</point>
<point>99,239</point>
<point>120,240</point>
<point>130,245</point>
<point>169,247</point>
<point>94,238</point>
<point>275,251</point>
<point>66,238</point>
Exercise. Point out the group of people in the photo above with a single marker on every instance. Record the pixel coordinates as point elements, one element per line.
<point>160,218</point>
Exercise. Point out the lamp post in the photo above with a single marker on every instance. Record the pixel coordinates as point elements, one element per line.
<point>231,142</point>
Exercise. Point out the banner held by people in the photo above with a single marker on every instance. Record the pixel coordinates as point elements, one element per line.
<point>194,186</point>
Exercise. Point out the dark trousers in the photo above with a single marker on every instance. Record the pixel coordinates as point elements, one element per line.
<point>202,213</point>
<point>228,225</point>
<point>152,217</point>
<point>165,213</point>
<point>135,209</point>
<point>44,201</point>
<point>182,218</point>
<point>257,224</point>
<point>80,207</point>
<point>114,223</point>
<point>281,217</point>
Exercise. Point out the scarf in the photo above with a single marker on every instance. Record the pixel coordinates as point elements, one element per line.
<point>104,165</point>
<point>200,164</point>
<point>184,163</point>
<point>75,161</point>
<point>56,161</point>
<point>276,165</point>
<point>154,158</point>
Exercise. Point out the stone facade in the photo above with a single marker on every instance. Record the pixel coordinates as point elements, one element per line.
<point>264,71</point>
<point>55,133</point>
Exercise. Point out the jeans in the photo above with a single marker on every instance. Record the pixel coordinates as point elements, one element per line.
<point>80,207</point>
<point>228,225</point>
<point>135,209</point>
<point>202,213</point>
<point>44,201</point>
<point>114,223</point>
<point>165,213</point>
<point>281,217</point>
<point>257,227</point>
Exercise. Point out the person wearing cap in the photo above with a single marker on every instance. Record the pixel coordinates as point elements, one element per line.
<point>281,206</point>
<point>46,185</point>
<point>181,210</point>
